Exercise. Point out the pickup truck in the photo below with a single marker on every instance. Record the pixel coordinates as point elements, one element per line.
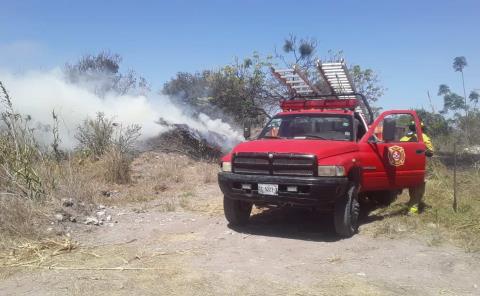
<point>322,153</point>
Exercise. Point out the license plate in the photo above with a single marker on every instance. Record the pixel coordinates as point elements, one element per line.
<point>268,189</point>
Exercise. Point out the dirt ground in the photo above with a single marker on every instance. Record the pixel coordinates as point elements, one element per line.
<point>146,250</point>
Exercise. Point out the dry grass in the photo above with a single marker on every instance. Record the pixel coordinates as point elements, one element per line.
<point>27,220</point>
<point>19,218</point>
<point>173,181</point>
<point>166,177</point>
<point>35,252</point>
<point>208,172</point>
<point>116,165</point>
<point>439,223</point>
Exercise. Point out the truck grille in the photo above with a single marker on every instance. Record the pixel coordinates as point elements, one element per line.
<point>279,164</point>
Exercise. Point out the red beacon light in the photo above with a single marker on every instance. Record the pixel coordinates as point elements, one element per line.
<point>295,105</point>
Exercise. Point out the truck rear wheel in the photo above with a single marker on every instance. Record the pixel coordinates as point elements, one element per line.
<point>237,212</point>
<point>347,210</point>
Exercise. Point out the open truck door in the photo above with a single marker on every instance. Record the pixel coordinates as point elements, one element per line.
<point>388,162</point>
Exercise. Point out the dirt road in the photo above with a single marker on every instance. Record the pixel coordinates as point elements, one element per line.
<point>193,252</point>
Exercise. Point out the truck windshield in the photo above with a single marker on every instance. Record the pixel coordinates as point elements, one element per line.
<point>310,126</point>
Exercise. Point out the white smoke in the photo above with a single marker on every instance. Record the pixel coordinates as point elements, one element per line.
<point>37,94</point>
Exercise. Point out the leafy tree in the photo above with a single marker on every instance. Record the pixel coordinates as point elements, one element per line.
<point>474,96</point>
<point>443,89</point>
<point>436,124</point>
<point>454,102</point>
<point>189,89</point>
<point>101,74</point>
<point>367,83</point>
<point>238,90</point>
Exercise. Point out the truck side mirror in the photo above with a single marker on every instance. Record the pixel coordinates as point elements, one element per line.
<point>246,131</point>
<point>389,128</point>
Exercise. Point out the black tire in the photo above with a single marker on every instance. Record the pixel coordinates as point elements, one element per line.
<point>237,212</point>
<point>384,198</point>
<point>347,211</point>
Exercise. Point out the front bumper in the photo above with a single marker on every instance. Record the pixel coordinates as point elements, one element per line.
<point>312,191</point>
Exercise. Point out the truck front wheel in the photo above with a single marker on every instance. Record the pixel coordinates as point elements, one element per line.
<point>347,210</point>
<point>237,212</point>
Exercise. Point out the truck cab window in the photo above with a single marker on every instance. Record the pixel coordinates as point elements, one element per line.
<point>403,127</point>
<point>310,126</point>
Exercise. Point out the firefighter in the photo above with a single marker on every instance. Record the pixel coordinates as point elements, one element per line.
<point>416,193</point>
<point>411,136</point>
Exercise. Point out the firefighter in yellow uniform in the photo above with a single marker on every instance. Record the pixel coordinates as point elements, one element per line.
<point>416,193</point>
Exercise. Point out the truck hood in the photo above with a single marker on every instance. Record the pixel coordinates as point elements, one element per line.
<point>320,148</point>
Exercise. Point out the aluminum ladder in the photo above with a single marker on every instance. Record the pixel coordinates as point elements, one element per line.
<point>336,76</point>
<point>296,81</point>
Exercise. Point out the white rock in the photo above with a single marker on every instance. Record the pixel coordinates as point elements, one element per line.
<point>109,218</point>
<point>91,221</point>
<point>59,217</point>
<point>101,207</point>
<point>101,214</point>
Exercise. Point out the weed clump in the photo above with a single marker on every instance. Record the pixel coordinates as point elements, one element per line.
<point>103,139</point>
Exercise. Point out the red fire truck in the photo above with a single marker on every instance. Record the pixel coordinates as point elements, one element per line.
<point>322,151</point>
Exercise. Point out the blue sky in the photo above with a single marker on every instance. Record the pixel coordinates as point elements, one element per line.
<point>411,44</point>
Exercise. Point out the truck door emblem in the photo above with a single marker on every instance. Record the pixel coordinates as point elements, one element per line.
<point>396,155</point>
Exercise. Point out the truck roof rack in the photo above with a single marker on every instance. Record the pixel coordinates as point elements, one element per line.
<point>337,79</point>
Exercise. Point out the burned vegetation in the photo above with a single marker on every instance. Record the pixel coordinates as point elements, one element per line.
<point>182,139</point>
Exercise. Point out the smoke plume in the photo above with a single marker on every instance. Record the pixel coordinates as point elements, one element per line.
<point>37,94</point>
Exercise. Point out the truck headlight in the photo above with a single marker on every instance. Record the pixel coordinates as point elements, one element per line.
<point>331,171</point>
<point>226,166</point>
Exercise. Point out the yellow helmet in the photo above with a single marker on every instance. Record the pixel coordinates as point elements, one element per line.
<point>411,126</point>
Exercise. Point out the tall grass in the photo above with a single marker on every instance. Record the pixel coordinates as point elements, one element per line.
<point>19,152</point>
<point>463,225</point>
<point>439,223</point>
<point>116,166</point>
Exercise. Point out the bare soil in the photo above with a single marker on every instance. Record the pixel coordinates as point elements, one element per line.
<point>147,250</point>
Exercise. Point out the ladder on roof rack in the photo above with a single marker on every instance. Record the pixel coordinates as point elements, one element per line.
<point>296,81</point>
<point>335,75</point>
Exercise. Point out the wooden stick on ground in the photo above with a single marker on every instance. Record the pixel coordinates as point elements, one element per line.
<point>89,268</point>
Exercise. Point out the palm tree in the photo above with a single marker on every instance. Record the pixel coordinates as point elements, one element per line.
<point>458,64</point>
